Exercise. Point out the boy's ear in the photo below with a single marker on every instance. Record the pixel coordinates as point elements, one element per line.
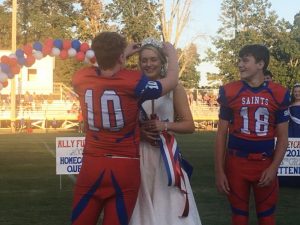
<point>261,64</point>
<point>122,59</point>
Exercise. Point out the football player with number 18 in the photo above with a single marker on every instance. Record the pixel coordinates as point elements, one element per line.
<point>252,113</point>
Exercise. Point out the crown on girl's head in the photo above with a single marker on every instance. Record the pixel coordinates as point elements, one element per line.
<point>151,41</point>
<point>297,85</point>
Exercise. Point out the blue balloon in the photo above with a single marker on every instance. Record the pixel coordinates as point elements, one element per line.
<point>10,75</point>
<point>76,45</point>
<point>58,43</point>
<point>20,53</point>
<point>37,46</point>
<point>5,68</point>
<point>21,60</point>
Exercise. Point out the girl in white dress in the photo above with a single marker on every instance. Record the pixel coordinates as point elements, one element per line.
<point>158,203</point>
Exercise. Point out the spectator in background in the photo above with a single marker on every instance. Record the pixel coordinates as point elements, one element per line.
<point>190,97</point>
<point>206,98</point>
<point>199,98</point>
<point>28,126</point>
<point>54,123</point>
<point>268,76</point>
<point>294,132</point>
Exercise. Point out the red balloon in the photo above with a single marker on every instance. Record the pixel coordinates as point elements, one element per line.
<point>63,54</point>
<point>5,59</point>
<point>67,44</point>
<point>28,49</point>
<point>84,47</point>
<point>5,83</point>
<point>48,42</point>
<point>80,56</point>
<point>15,69</point>
<point>30,60</point>
<point>13,62</point>
<point>47,50</point>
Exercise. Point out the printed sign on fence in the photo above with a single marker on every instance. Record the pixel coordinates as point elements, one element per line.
<point>290,165</point>
<point>69,154</point>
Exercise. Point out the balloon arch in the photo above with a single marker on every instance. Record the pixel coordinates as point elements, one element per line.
<point>26,56</point>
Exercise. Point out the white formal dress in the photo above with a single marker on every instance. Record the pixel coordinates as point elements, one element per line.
<point>158,203</point>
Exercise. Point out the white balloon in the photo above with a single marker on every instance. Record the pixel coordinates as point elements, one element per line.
<point>55,51</point>
<point>72,52</point>
<point>38,55</point>
<point>12,55</point>
<point>90,54</point>
<point>3,77</point>
<point>86,60</point>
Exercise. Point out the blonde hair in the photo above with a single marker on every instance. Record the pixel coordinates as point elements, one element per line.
<point>160,54</point>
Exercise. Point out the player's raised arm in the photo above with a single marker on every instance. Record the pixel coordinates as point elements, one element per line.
<point>171,80</point>
<point>131,49</point>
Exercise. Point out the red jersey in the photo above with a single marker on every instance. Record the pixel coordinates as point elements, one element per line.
<point>253,114</point>
<point>110,107</point>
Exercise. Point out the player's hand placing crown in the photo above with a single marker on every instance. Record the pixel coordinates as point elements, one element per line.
<point>168,49</point>
<point>131,49</point>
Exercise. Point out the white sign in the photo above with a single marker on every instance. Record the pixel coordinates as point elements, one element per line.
<point>69,154</point>
<point>290,165</point>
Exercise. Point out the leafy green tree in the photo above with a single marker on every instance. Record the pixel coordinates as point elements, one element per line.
<point>243,22</point>
<point>286,52</point>
<point>136,19</point>
<point>40,19</point>
<point>5,28</point>
<point>91,19</point>
<point>188,65</point>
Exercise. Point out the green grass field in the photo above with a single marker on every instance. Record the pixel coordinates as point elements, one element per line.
<point>30,191</point>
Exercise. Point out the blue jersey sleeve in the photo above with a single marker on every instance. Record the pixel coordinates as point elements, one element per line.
<point>282,115</point>
<point>225,113</point>
<point>222,97</point>
<point>148,89</point>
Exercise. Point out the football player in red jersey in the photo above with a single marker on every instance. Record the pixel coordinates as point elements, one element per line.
<point>110,97</point>
<point>252,113</point>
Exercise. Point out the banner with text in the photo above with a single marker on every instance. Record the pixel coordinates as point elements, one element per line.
<point>290,165</point>
<point>69,154</point>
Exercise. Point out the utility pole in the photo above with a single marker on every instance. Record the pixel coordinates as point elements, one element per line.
<point>13,80</point>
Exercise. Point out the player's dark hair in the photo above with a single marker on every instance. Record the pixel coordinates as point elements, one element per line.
<point>268,73</point>
<point>259,52</point>
<point>108,47</point>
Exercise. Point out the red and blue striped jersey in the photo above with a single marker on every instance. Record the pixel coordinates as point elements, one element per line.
<point>253,114</point>
<point>110,108</point>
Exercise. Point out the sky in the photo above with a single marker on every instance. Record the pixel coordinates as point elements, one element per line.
<point>204,19</point>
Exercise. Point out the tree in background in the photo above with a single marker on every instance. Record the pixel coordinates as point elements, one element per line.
<point>286,52</point>
<point>252,21</point>
<point>40,19</point>
<point>173,20</point>
<point>135,19</point>
<point>188,66</point>
<point>82,19</point>
<point>144,18</point>
<point>5,28</point>
<point>91,19</point>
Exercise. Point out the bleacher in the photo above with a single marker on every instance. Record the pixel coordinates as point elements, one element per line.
<point>62,108</point>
